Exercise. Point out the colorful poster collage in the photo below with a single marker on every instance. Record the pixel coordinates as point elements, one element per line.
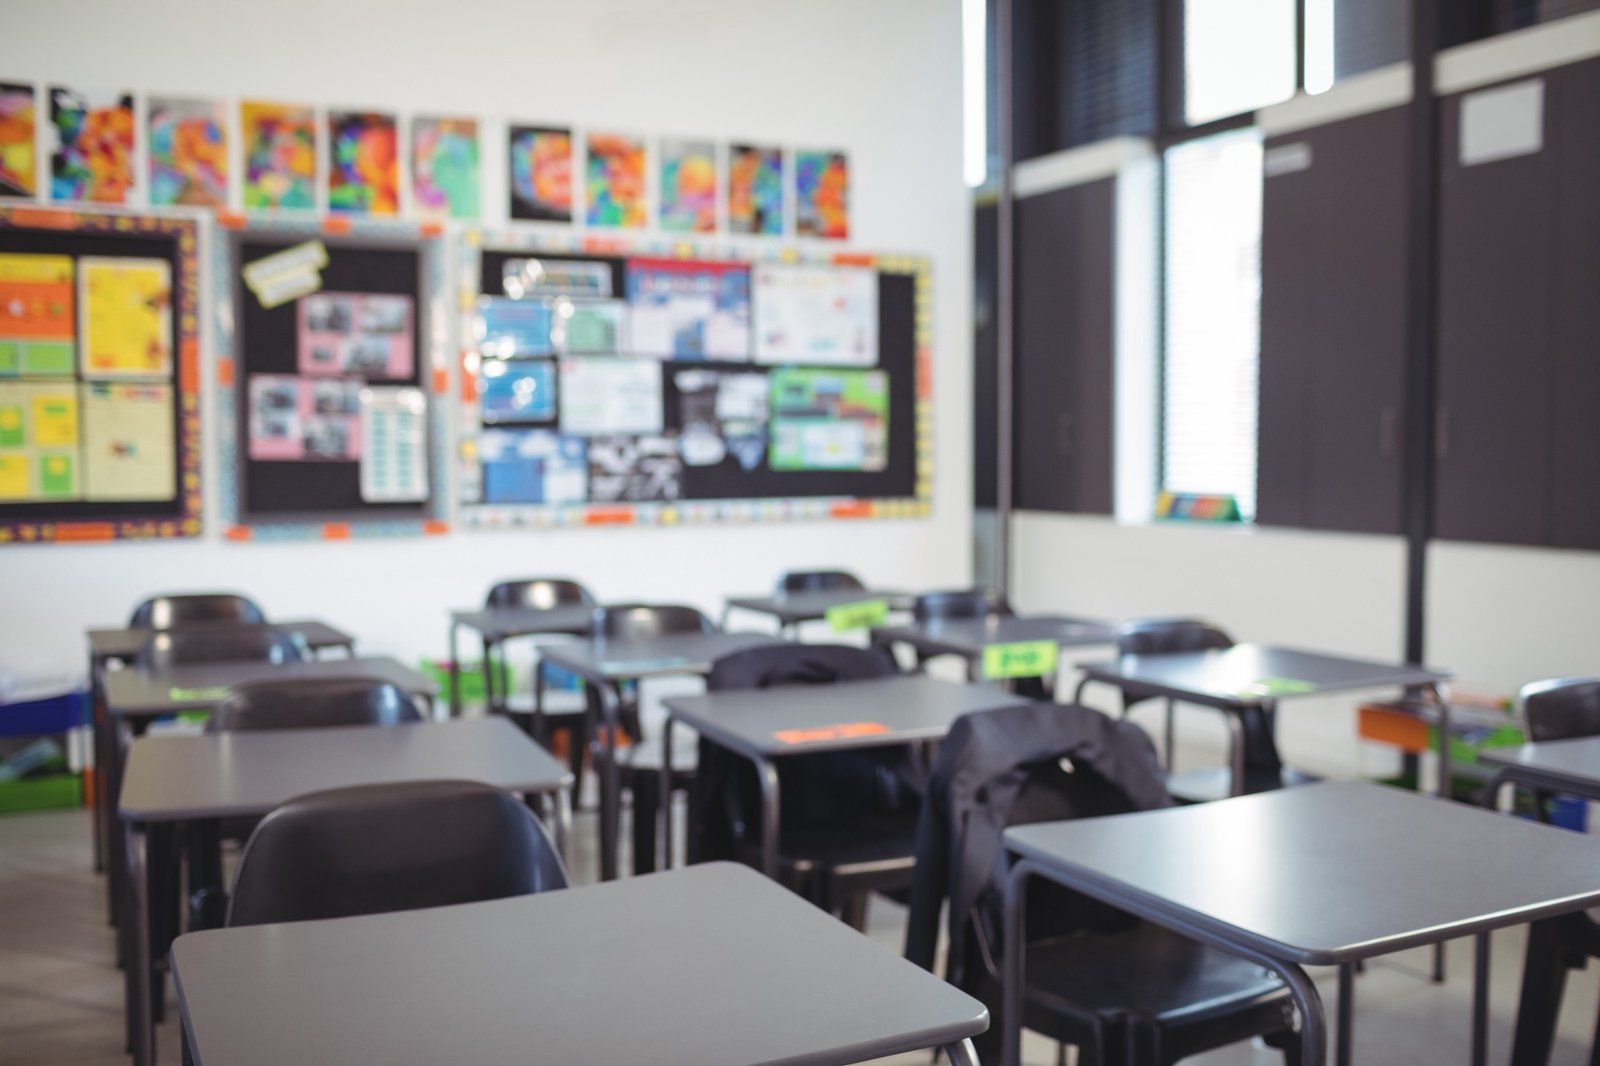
<point>302,157</point>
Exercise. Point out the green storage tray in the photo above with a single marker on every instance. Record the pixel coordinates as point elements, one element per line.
<point>51,792</point>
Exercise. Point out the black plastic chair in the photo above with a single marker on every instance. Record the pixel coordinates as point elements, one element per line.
<point>194,609</point>
<point>1558,709</point>
<point>313,702</point>
<point>848,819</point>
<point>639,764</point>
<point>379,848</point>
<point>1121,990</point>
<point>219,644</point>
<point>817,581</point>
<point>959,603</point>
<point>539,593</point>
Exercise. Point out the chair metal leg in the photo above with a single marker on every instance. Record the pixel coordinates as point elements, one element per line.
<point>1346,1016</point>
<point>961,1054</point>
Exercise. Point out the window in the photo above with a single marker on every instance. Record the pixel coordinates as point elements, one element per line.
<point>1110,59</point>
<point>1238,55</point>
<point>1212,316</point>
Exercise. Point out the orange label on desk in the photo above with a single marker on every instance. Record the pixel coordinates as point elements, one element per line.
<point>842,731</point>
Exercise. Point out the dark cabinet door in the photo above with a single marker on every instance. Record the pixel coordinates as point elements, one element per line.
<point>1333,300</point>
<point>1573,102</point>
<point>1496,327</point>
<point>1064,349</point>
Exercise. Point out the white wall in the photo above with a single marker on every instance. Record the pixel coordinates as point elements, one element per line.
<point>881,80</point>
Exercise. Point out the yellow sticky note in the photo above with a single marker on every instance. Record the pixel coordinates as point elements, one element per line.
<point>126,317</point>
<point>13,477</point>
<point>55,420</point>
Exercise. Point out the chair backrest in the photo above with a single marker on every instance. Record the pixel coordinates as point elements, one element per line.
<point>378,848</point>
<point>1562,708</point>
<point>195,608</point>
<point>798,664</point>
<point>817,581</point>
<point>644,621</point>
<point>540,593</point>
<point>312,702</point>
<point>959,603</point>
<point>1161,636</point>
<point>244,644</point>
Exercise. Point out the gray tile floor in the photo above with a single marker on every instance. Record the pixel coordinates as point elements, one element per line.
<point>61,996</point>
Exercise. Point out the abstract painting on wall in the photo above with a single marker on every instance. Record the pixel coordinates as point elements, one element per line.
<point>363,163</point>
<point>18,125</point>
<point>688,186</point>
<point>93,156</point>
<point>188,146</point>
<point>279,144</point>
<point>755,190</point>
<point>615,186</point>
<point>540,173</point>
<point>822,195</point>
<point>444,167</point>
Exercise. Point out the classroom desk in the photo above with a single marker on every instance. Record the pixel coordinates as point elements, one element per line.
<point>1257,676</point>
<point>176,781</point>
<point>605,664</point>
<point>1571,767</point>
<point>106,645</point>
<point>765,725</point>
<point>1307,877</point>
<point>499,624</point>
<point>968,637</point>
<point>741,972</point>
<point>135,697</point>
<point>792,609</point>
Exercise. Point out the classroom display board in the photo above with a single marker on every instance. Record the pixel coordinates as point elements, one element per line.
<point>99,376</point>
<point>330,385</point>
<point>606,382</point>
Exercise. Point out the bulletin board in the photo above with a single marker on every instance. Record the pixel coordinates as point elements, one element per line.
<point>331,380</point>
<point>611,381</point>
<point>99,376</point>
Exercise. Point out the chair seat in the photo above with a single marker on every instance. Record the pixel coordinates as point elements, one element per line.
<point>879,849</point>
<point>645,756</point>
<point>1146,974</point>
<point>1203,786</point>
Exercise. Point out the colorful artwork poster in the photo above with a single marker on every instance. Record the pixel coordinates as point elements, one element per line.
<point>125,317</point>
<point>38,318</point>
<point>129,450</point>
<point>505,327</point>
<point>294,418</point>
<point>615,181</point>
<point>541,174</point>
<point>755,190</point>
<point>816,314</point>
<point>188,146</point>
<point>39,442</point>
<point>444,167</point>
<point>822,195</point>
<point>722,413</point>
<point>19,123</point>
<point>280,155</point>
<point>533,466</point>
<point>634,469</point>
<point>517,390</point>
<point>92,161</point>
<point>688,186</point>
<point>689,309</point>
<point>363,163</point>
<point>357,334</point>
<point>829,420</point>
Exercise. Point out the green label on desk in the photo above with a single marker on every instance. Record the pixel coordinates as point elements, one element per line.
<point>1276,686</point>
<point>862,615</point>
<point>1025,658</point>
<point>199,695</point>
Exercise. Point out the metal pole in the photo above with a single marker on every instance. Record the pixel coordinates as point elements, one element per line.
<point>1005,300</point>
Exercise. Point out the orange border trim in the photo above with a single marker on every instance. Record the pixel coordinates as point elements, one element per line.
<point>43,218</point>
<point>857,509</point>
<point>237,533</point>
<point>336,226</point>
<point>230,219</point>
<point>435,528</point>
<point>85,531</point>
<point>608,516</point>
<point>336,531</point>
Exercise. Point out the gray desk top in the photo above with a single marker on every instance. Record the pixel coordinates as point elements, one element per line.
<point>501,623</point>
<point>800,719</point>
<point>808,606</point>
<point>969,636</point>
<point>1571,765</point>
<point>1247,674</point>
<point>711,964</point>
<point>125,643</point>
<point>140,693</point>
<point>682,653</point>
<point>1324,874</point>
<point>221,775</point>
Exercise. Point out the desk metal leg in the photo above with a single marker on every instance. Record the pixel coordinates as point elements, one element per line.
<point>118,741</point>
<point>561,805</point>
<point>455,672</point>
<point>141,1029</point>
<point>1236,754</point>
<point>96,728</point>
<point>961,1054</point>
<point>610,785</point>
<point>1480,1002</point>
<point>1346,1014</point>
<point>664,806</point>
<point>770,812</point>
